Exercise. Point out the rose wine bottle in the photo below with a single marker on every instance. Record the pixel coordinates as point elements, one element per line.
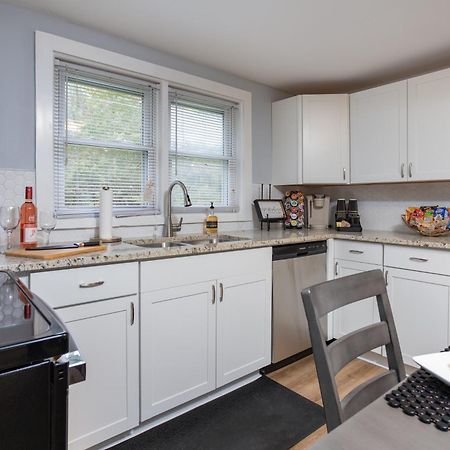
<point>28,220</point>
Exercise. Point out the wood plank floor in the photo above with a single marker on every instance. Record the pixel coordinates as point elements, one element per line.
<point>301,377</point>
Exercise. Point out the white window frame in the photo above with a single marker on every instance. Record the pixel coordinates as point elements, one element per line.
<point>48,46</point>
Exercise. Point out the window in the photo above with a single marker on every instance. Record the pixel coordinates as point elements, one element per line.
<point>203,149</point>
<point>105,133</point>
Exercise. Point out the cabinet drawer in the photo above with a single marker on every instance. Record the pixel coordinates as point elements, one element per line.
<point>165,273</point>
<point>420,259</point>
<point>358,251</point>
<point>86,284</point>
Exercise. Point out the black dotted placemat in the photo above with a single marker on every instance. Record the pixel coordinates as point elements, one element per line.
<point>425,397</point>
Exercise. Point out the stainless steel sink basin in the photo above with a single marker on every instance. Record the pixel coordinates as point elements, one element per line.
<point>213,240</point>
<point>161,244</point>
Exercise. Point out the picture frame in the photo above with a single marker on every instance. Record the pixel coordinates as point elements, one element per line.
<point>272,208</point>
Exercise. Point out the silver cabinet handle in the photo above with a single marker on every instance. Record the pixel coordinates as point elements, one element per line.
<point>336,268</point>
<point>410,170</point>
<point>344,173</point>
<point>213,294</point>
<point>357,252</point>
<point>92,284</point>
<point>413,258</point>
<point>386,277</point>
<point>221,292</point>
<point>402,170</point>
<point>132,313</point>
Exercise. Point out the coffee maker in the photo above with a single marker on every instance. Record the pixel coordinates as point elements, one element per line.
<point>318,208</point>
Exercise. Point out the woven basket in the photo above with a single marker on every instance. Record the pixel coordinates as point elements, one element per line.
<point>440,228</point>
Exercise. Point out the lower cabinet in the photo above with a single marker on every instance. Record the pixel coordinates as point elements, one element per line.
<point>421,307</point>
<point>178,332</point>
<point>211,329</point>
<point>359,314</point>
<point>106,404</point>
<point>243,326</point>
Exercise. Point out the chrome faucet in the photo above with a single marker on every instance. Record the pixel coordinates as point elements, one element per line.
<point>169,227</point>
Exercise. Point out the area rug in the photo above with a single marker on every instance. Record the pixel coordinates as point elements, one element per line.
<point>263,415</point>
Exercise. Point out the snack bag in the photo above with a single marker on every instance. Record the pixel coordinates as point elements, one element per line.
<point>440,213</point>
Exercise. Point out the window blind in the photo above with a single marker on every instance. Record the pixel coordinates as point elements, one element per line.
<point>105,133</point>
<point>203,149</point>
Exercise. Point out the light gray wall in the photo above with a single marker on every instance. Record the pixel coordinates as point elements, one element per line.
<point>17,107</point>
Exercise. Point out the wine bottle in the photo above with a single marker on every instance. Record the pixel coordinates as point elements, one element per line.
<point>28,220</point>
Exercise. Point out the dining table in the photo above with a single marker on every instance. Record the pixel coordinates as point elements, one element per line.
<point>381,427</point>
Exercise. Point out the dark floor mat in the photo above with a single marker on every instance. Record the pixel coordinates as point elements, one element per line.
<point>262,415</point>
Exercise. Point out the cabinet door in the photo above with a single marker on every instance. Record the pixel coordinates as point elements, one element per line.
<point>379,134</point>
<point>243,326</point>
<point>359,314</point>
<point>287,141</point>
<point>326,139</point>
<point>429,126</point>
<point>420,305</point>
<point>177,346</point>
<point>107,403</point>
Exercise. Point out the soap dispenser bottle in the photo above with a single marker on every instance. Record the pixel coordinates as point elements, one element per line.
<point>212,222</point>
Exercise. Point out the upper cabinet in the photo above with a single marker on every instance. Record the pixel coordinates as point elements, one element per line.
<point>398,132</point>
<point>310,140</point>
<point>287,138</point>
<point>378,134</point>
<point>429,126</point>
<point>326,139</point>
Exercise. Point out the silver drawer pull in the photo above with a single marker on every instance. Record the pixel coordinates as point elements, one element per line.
<point>91,284</point>
<point>358,252</point>
<point>413,258</point>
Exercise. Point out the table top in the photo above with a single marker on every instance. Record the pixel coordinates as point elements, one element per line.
<point>379,426</point>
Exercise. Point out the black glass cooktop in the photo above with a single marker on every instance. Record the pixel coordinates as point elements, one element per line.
<point>29,329</point>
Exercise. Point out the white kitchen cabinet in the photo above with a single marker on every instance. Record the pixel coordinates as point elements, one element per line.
<point>287,141</point>
<point>378,145</point>
<point>178,348</point>
<point>243,326</point>
<point>429,126</point>
<point>420,305</point>
<point>326,139</point>
<point>359,314</point>
<point>203,328</point>
<point>107,403</point>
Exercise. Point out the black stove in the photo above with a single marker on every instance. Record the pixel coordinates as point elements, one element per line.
<point>37,361</point>
<point>29,330</point>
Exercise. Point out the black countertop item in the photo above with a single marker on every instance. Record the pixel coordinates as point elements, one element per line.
<point>29,329</point>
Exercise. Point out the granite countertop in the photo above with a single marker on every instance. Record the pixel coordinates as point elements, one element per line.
<point>128,251</point>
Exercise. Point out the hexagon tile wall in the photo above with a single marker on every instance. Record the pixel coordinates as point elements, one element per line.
<point>12,188</point>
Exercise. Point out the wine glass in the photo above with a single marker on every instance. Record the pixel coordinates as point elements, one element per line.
<point>9,219</point>
<point>47,221</point>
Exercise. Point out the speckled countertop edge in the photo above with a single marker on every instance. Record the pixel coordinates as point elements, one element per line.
<point>128,252</point>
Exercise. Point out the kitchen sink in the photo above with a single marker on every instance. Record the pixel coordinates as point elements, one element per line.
<point>213,240</point>
<point>163,244</point>
<point>201,240</point>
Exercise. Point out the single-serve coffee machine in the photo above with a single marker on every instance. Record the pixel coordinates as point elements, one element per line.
<point>318,208</point>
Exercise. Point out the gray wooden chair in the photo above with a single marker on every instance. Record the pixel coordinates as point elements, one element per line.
<point>324,298</point>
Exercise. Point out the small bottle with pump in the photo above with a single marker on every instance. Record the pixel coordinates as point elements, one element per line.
<point>212,222</point>
<point>28,220</point>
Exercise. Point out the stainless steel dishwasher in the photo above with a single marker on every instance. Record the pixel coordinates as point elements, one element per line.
<point>295,267</point>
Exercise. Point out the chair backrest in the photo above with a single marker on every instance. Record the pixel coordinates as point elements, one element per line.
<point>324,298</point>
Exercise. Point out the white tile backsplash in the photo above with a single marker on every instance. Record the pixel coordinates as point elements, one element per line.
<point>381,205</point>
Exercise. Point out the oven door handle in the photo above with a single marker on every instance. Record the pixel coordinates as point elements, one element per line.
<point>76,366</point>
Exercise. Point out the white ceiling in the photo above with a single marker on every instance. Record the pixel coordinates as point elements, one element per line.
<point>298,46</point>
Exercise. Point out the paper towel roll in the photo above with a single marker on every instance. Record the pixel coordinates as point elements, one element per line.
<point>105,219</point>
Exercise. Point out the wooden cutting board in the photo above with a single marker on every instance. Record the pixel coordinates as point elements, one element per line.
<point>53,254</point>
